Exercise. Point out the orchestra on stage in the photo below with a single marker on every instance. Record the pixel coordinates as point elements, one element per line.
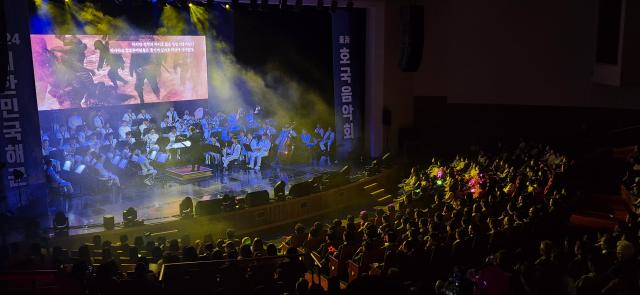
<point>144,141</point>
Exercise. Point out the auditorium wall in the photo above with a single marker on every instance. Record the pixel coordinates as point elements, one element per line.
<point>533,53</point>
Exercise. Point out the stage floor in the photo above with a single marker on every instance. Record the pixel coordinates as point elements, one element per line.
<point>159,202</point>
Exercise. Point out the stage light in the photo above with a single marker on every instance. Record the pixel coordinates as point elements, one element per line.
<point>186,208</point>
<point>60,224</point>
<point>130,217</point>
<point>386,160</point>
<point>279,191</point>
<point>190,4</point>
<point>346,171</point>
<point>374,168</point>
<point>227,6</point>
<point>439,182</point>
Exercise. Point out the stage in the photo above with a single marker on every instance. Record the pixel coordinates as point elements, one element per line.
<point>159,202</point>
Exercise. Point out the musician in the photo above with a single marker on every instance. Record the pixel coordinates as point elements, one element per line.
<point>242,140</point>
<point>55,180</point>
<point>172,115</point>
<point>124,129</point>
<point>74,121</point>
<point>172,135</point>
<point>196,154</point>
<point>93,142</point>
<point>285,134</point>
<point>327,140</point>
<point>106,128</point>
<point>109,140</point>
<point>144,163</point>
<point>260,150</point>
<point>284,140</point>
<point>186,116</point>
<point>326,144</point>
<point>103,172</point>
<point>130,139</point>
<point>231,152</point>
<point>182,127</point>
<point>213,140</point>
<point>310,144</point>
<point>98,120</point>
<point>250,118</point>
<point>267,129</point>
<point>129,116</point>
<point>81,134</point>
<point>319,131</point>
<point>151,139</point>
<point>144,115</point>
<point>62,134</point>
<point>166,123</point>
<point>145,124</point>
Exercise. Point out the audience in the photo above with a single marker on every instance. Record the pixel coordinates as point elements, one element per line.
<point>488,224</point>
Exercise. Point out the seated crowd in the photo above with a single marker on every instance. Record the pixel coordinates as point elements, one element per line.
<point>488,224</point>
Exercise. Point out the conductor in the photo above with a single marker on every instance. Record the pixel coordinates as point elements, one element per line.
<point>196,154</point>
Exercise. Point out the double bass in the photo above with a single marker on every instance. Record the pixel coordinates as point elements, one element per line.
<point>289,145</point>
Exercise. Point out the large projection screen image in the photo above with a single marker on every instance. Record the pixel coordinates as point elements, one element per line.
<point>80,71</point>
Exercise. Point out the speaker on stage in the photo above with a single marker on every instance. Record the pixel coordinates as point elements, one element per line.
<point>336,179</point>
<point>258,198</point>
<point>208,207</point>
<point>301,189</point>
<point>412,38</point>
<point>108,222</point>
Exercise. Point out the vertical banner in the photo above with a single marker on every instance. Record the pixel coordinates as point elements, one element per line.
<point>347,85</point>
<point>24,186</point>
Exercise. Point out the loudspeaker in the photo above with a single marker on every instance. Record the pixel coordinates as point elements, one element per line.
<point>208,207</point>
<point>258,198</point>
<point>412,38</point>
<point>108,222</point>
<point>301,189</point>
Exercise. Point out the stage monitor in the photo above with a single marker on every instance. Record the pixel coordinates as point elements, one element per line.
<point>79,71</point>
